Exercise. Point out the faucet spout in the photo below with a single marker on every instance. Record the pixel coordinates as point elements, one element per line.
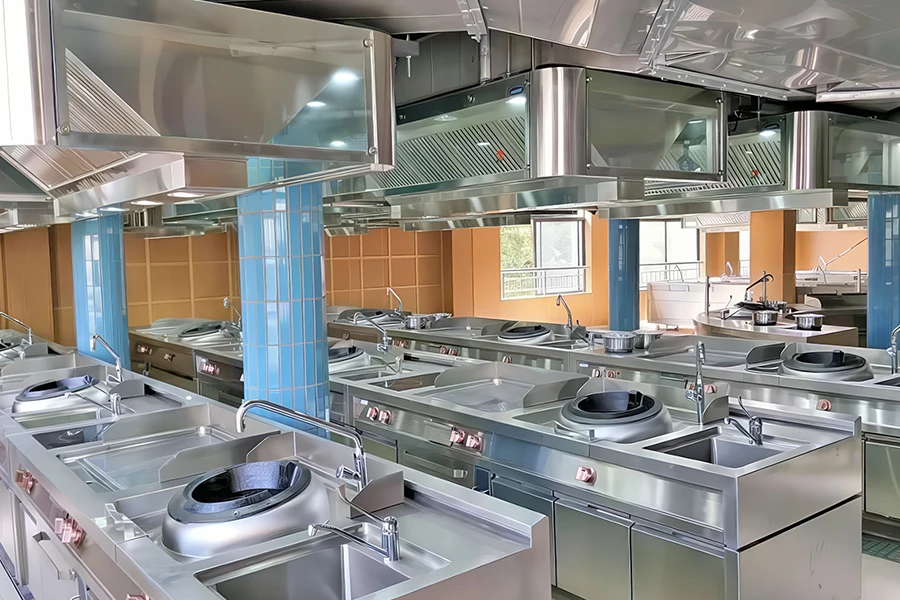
<point>227,302</point>
<point>30,339</point>
<point>565,305</point>
<point>892,351</point>
<point>399,310</point>
<point>360,471</point>
<point>698,394</point>
<point>96,338</point>
<point>755,433</point>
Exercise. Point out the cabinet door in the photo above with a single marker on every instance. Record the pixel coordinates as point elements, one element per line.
<point>882,471</point>
<point>592,552</point>
<point>49,575</point>
<point>668,566</point>
<point>540,501</point>
<point>380,447</point>
<point>7,529</point>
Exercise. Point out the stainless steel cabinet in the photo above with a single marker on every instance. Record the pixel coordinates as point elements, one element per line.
<point>379,446</point>
<point>593,552</point>
<point>882,474</point>
<point>539,500</point>
<point>667,565</point>
<point>7,527</point>
<point>439,462</point>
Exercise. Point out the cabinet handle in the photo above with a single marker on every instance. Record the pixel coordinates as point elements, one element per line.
<point>435,467</point>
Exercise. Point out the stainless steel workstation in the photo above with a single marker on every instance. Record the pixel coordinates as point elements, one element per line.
<point>117,485</point>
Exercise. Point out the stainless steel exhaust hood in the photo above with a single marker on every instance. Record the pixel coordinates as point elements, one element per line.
<point>167,99</point>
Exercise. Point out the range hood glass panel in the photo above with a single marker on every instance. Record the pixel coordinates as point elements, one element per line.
<point>650,126</point>
<point>205,72</point>
<point>863,151</point>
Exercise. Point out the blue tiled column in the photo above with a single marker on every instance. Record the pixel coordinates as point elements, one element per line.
<point>624,274</point>
<point>283,297</point>
<point>884,269</point>
<point>98,269</point>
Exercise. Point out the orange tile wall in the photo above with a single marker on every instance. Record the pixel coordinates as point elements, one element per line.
<point>359,269</point>
<point>181,277</point>
<point>476,280</point>
<point>828,244</point>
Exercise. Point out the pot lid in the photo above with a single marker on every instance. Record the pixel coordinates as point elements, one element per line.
<point>523,332</point>
<point>55,388</point>
<point>239,491</point>
<point>825,362</point>
<point>617,335</point>
<point>611,408</point>
<point>336,355</point>
<point>202,329</point>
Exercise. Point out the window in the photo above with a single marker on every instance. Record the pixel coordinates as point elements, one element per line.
<point>669,252</point>
<point>545,258</point>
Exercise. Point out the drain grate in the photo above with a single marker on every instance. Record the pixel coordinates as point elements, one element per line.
<point>881,548</point>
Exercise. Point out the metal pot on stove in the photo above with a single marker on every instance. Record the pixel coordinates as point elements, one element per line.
<point>764,318</point>
<point>809,321</point>
<point>618,342</point>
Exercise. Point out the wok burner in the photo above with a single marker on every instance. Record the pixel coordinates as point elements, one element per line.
<point>526,334</point>
<point>836,365</point>
<point>54,394</point>
<point>618,416</point>
<point>346,358</point>
<point>243,505</point>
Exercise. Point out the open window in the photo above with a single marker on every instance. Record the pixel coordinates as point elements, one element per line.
<point>545,258</point>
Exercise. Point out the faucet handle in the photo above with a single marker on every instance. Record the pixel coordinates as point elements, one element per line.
<point>375,519</point>
<point>345,472</point>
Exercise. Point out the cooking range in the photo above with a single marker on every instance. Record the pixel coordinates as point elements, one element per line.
<point>59,394</point>
<point>617,416</point>
<point>243,505</point>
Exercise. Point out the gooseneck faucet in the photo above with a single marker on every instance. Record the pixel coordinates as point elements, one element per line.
<point>698,394</point>
<point>399,310</point>
<point>561,300</point>
<point>96,338</point>
<point>386,340</point>
<point>892,351</point>
<point>390,532</point>
<point>762,280</point>
<point>226,302</point>
<point>30,339</point>
<point>358,473</point>
<point>755,435</point>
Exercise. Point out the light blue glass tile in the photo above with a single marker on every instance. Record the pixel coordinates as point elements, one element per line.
<point>309,320</point>
<point>268,233</point>
<point>271,323</point>
<point>305,198</point>
<point>285,336</point>
<point>318,277</point>
<point>295,233</point>
<point>286,367</point>
<point>320,320</point>
<point>287,399</point>
<point>262,369</point>
<point>261,330</point>
<point>321,363</point>
<point>281,197</point>
<point>274,396</point>
<point>268,200</point>
<point>271,280</point>
<point>310,364</point>
<point>281,234</point>
<point>297,321</point>
<point>306,239</point>
<point>296,277</point>
<point>273,365</point>
<point>294,198</point>
<point>299,370</point>
<point>253,234</point>
<point>283,268</point>
<point>310,273</point>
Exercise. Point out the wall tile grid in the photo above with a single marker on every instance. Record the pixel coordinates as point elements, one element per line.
<point>359,269</point>
<point>281,250</point>
<point>181,277</point>
<point>98,270</point>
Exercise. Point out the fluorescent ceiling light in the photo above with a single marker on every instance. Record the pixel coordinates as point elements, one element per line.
<point>315,104</point>
<point>484,144</point>
<point>517,100</point>
<point>694,121</point>
<point>338,144</point>
<point>767,133</point>
<point>749,151</point>
<point>146,203</point>
<point>185,195</point>
<point>445,118</point>
<point>344,76</point>
<point>114,209</point>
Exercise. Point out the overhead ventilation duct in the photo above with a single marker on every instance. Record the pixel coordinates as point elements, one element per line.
<point>148,223</point>
<point>161,100</point>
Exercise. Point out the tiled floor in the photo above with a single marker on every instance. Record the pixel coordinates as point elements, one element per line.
<point>881,579</point>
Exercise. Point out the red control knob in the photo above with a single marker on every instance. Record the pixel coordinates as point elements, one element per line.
<point>457,436</point>
<point>586,475</point>
<point>473,442</point>
<point>384,416</point>
<point>372,413</point>
<point>444,350</point>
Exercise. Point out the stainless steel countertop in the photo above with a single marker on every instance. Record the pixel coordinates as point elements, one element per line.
<point>471,536</point>
<point>783,331</point>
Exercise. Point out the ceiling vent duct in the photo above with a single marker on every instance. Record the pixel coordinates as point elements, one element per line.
<point>160,99</point>
<point>148,223</point>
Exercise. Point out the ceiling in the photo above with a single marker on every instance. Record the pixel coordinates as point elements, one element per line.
<point>795,45</point>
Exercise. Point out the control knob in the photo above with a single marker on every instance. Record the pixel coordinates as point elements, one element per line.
<point>384,417</point>
<point>586,475</point>
<point>457,436</point>
<point>372,413</point>
<point>473,442</point>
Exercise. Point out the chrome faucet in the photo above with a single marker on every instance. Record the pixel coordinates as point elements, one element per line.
<point>680,273</point>
<point>96,338</point>
<point>698,394</point>
<point>729,273</point>
<point>892,351</point>
<point>755,435</point>
<point>358,473</point>
<point>226,302</point>
<point>762,280</point>
<point>399,310</point>
<point>30,340</point>
<point>561,300</point>
<point>390,532</point>
<point>115,404</point>
<point>386,340</point>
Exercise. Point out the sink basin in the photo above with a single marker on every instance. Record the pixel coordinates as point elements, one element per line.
<point>371,374</point>
<point>566,344</point>
<point>340,572</point>
<point>894,382</point>
<point>716,449</point>
<point>409,383</point>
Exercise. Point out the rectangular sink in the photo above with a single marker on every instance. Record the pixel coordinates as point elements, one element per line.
<point>376,374</point>
<point>715,449</point>
<point>340,572</point>
<point>409,383</point>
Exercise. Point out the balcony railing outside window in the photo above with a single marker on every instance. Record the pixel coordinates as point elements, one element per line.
<point>534,283</point>
<point>672,272</point>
